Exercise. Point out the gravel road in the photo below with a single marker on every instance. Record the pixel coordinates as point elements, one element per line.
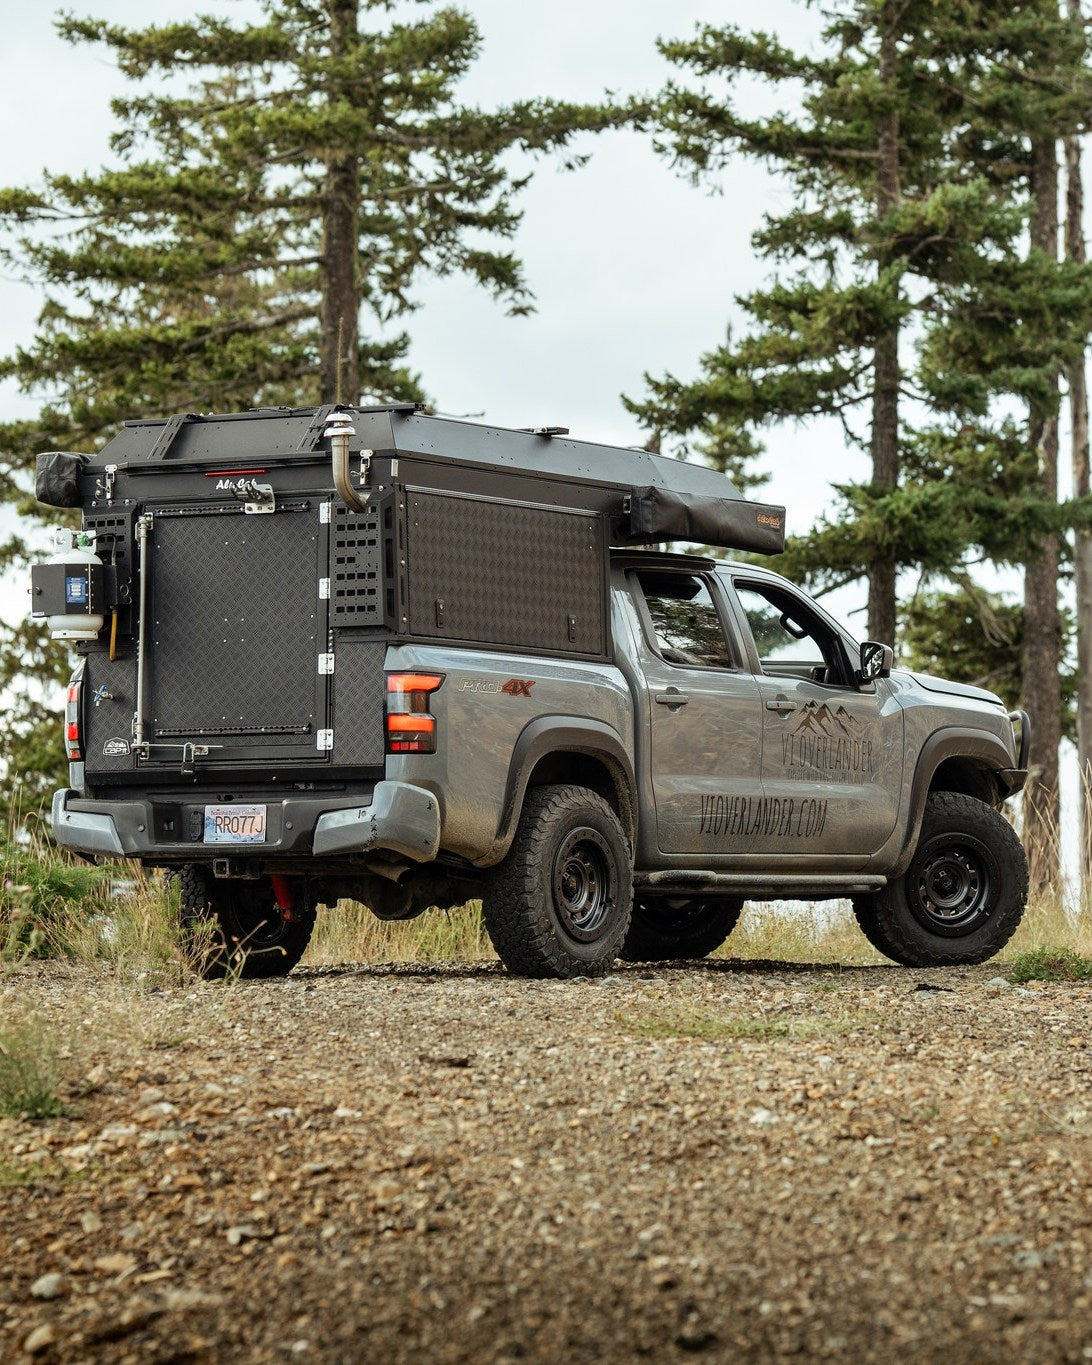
<point>729,1160</point>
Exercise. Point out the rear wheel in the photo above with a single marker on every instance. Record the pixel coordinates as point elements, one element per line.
<point>239,927</point>
<point>559,904</point>
<point>664,929</point>
<point>963,895</point>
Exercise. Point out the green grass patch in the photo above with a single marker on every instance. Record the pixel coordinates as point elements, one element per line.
<point>15,1176</point>
<point>1051,964</point>
<point>712,1028</point>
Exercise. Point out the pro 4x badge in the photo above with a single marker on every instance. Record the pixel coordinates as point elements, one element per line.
<point>518,687</point>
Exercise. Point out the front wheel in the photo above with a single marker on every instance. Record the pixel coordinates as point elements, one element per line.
<point>665,929</point>
<point>559,904</point>
<point>240,927</point>
<point>963,895</point>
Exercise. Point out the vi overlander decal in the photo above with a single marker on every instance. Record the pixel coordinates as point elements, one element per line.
<point>828,739</point>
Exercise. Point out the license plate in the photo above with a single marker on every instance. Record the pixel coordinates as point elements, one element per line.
<point>234,824</point>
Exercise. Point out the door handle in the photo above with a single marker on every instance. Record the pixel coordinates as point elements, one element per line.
<point>672,697</point>
<point>781,704</point>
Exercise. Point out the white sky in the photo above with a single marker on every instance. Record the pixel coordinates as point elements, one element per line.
<point>633,268</point>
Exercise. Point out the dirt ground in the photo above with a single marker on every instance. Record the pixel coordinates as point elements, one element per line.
<point>734,1160</point>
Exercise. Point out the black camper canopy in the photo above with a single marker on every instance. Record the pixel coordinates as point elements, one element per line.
<point>649,498</point>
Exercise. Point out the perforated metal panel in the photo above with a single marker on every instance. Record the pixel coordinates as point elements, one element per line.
<point>505,573</point>
<point>235,630</point>
<point>356,557</point>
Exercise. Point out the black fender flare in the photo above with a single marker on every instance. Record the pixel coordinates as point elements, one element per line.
<point>955,742</point>
<point>547,735</point>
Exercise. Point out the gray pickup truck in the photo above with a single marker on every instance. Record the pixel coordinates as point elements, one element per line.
<point>375,655</point>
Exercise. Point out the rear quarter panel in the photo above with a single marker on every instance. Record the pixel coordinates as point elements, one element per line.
<point>479,724</point>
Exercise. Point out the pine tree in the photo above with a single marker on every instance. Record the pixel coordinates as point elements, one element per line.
<point>1009,331</point>
<point>318,162</point>
<point>899,196</point>
<point>279,188</point>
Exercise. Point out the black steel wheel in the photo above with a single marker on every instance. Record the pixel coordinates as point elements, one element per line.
<point>238,928</point>
<point>673,928</point>
<point>559,904</point>
<point>963,894</point>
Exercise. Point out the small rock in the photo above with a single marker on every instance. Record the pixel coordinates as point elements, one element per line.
<point>40,1339</point>
<point>694,1337</point>
<point>117,1263</point>
<point>48,1286</point>
<point>997,984</point>
<point>90,1221</point>
<point>762,1118</point>
<point>241,1232</point>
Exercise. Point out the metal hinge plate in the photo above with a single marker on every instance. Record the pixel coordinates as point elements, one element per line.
<point>325,664</point>
<point>325,740</point>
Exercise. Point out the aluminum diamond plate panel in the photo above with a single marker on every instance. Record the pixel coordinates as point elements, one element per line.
<point>358,703</point>
<point>505,573</point>
<point>235,631</point>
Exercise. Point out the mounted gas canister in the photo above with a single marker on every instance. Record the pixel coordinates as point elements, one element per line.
<point>70,588</point>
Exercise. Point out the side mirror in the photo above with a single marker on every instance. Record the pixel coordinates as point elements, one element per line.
<point>877,661</point>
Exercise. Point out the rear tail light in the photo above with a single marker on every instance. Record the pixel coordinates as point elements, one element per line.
<point>73,739</point>
<point>410,727</point>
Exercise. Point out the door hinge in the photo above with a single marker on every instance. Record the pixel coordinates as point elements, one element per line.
<point>324,589</point>
<point>325,740</point>
<point>325,664</point>
<point>324,512</point>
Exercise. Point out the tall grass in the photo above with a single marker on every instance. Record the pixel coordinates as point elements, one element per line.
<point>29,1075</point>
<point>45,895</point>
<point>351,933</point>
<point>127,921</point>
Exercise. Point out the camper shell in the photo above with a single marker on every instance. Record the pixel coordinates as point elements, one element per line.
<point>270,597</point>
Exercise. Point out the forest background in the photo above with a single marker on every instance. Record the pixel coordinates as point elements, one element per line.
<point>637,272</point>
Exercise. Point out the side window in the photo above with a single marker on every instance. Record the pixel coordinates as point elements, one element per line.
<point>685,623</point>
<point>789,640</point>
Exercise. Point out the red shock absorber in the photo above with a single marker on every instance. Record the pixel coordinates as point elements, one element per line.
<point>282,890</point>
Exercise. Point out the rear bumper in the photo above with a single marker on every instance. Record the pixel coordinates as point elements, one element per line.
<point>399,818</point>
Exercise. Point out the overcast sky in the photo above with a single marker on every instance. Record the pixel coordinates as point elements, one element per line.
<point>633,268</point>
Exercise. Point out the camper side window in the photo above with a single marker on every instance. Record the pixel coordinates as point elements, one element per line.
<point>685,625</point>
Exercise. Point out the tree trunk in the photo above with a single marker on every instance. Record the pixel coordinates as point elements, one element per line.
<point>339,361</point>
<point>885,393</point>
<point>1082,549</point>
<point>1042,622</point>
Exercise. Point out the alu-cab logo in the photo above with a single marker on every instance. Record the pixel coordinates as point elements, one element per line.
<point>828,739</point>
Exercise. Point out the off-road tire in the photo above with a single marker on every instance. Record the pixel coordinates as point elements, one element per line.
<point>235,928</point>
<point>963,895</point>
<point>671,929</point>
<point>559,904</point>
